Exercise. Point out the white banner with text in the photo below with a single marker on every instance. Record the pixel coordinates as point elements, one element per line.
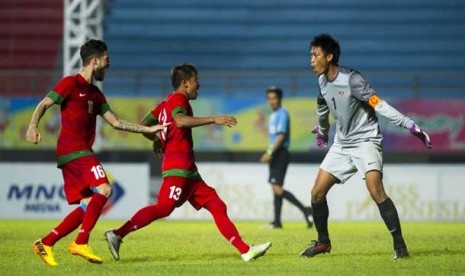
<point>33,190</point>
<point>420,192</point>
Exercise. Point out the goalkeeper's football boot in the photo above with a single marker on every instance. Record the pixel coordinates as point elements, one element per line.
<point>84,251</point>
<point>400,252</point>
<point>45,252</point>
<point>400,249</point>
<point>114,241</point>
<point>316,248</point>
<point>256,251</point>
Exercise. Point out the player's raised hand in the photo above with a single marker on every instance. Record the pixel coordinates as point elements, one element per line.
<point>225,120</point>
<point>321,139</point>
<point>33,135</point>
<point>157,128</point>
<point>421,134</point>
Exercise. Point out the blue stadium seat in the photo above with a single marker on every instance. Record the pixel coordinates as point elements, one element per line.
<point>398,36</point>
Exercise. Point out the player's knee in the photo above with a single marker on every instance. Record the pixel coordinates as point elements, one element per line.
<point>377,193</point>
<point>104,189</point>
<point>317,195</point>
<point>165,209</point>
<point>216,205</point>
<point>84,202</point>
<point>277,190</point>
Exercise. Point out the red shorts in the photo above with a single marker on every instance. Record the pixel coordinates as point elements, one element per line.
<point>81,176</point>
<point>176,190</point>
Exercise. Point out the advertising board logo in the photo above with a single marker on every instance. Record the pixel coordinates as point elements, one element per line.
<point>51,198</point>
<point>38,197</point>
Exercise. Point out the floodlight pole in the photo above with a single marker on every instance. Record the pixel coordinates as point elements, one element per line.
<point>83,20</point>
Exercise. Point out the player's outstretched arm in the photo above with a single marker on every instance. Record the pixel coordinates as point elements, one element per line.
<point>146,122</point>
<point>119,124</point>
<point>397,118</point>
<point>33,135</point>
<point>183,120</point>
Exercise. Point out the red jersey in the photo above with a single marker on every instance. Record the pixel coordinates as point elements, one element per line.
<point>80,103</point>
<point>178,147</point>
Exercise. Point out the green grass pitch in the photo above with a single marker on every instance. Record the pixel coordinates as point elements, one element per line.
<point>197,248</point>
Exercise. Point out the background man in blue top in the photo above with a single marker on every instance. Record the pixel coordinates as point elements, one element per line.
<point>277,156</point>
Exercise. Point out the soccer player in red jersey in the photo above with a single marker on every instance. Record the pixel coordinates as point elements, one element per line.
<point>181,180</point>
<point>85,181</point>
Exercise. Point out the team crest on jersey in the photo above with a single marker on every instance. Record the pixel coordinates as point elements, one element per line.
<point>341,93</point>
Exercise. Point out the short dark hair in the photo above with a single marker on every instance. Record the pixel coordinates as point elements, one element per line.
<point>92,48</point>
<point>328,45</point>
<point>274,89</point>
<point>182,72</point>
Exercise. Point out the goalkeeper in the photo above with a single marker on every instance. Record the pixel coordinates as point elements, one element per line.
<point>357,143</point>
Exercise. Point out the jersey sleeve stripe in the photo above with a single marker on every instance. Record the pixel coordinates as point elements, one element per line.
<point>104,108</point>
<point>149,118</point>
<point>320,100</point>
<point>55,97</point>
<point>177,110</point>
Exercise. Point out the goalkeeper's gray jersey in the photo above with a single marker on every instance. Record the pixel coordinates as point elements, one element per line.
<point>347,99</point>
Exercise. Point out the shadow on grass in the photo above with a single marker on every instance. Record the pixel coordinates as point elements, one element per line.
<point>360,254</point>
<point>436,252</point>
<point>433,252</point>
<point>137,259</point>
<point>199,258</point>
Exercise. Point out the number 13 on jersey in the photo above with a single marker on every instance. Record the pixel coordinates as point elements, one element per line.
<point>175,192</point>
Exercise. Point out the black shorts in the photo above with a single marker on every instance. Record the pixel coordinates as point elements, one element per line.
<point>278,166</point>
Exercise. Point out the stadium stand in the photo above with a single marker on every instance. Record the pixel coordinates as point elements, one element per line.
<point>400,36</point>
<point>405,49</point>
<point>33,33</point>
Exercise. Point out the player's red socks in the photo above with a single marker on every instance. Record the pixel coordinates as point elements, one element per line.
<point>219,212</point>
<point>217,208</point>
<point>144,217</point>
<point>67,225</point>
<point>125,229</point>
<point>237,242</point>
<point>91,216</point>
